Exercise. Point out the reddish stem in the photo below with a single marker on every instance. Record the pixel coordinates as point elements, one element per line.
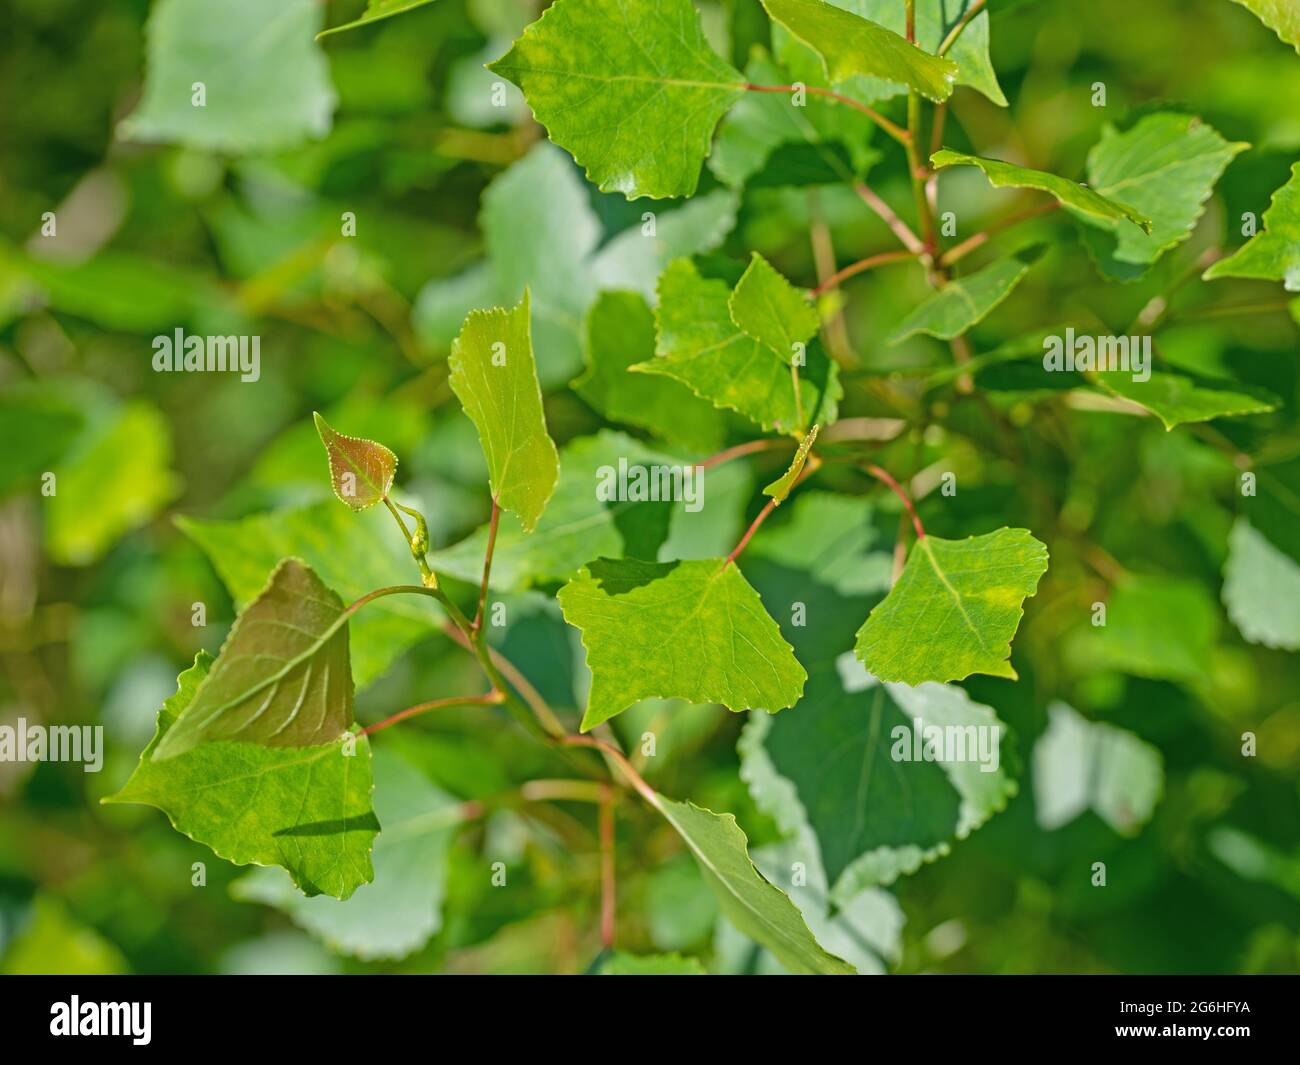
<point>882,475</point>
<point>487,564</point>
<point>607,881</point>
<point>762,517</point>
<point>897,132</point>
<point>739,451</point>
<point>870,262</point>
<point>638,782</point>
<point>491,699</point>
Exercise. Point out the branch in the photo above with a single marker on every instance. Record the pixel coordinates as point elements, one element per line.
<point>853,269</point>
<point>740,450</point>
<point>607,882</point>
<point>955,32</point>
<point>960,251</point>
<point>886,213</point>
<point>491,699</point>
<point>487,564</point>
<point>637,781</point>
<point>882,475</point>
<point>897,132</point>
<point>811,467</point>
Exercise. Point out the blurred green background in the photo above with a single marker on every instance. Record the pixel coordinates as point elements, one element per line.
<point>98,584</point>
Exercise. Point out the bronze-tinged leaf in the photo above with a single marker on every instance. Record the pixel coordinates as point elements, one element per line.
<point>361,471</point>
<point>282,678</point>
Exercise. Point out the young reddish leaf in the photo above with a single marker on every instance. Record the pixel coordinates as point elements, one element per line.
<point>282,678</point>
<point>361,471</point>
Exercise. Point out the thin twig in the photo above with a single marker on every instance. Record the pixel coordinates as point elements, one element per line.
<point>491,699</point>
<point>960,251</point>
<point>637,781</point>
<point>853,269</point>
<point>607,882</point>
<point>897,132</point>
<point>727,454</point>
<point>487,563</point>
<point>887,215</point>
<point>883,475</point>
<point>955,32</point>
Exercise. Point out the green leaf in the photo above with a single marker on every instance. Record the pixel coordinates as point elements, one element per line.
<point>113,480</point>
<point>577,524</point>
<point>1261,589</point>
<point>954,610</point>
<point>1273,504</point>
<point>1158,627</point>
<point>689,630</point>
<point>1165,167</point>
<point>850,45</point>
<point>376,10</point>
<point>759,910</point>
<point>1273,255</point>
<point>1078,198</point>
<point>1280,16</point>
<point>540,230</point>
<point>632,91</point>
<point>353,553</point>
<point>306,809</point>
<point>1176,399</point>
<point>1083,765</point>
<point>282,678</point>
<point>934,18</point>
<point>53,943</point>
<point>965,301</point>
<point>495,379</point>
<point>699,345</point>
<point>38,426</point>
<point>620,963</point>
<point>765,127</point>
<point>767,308</point>
<point>846,771</point>
<point>621,332</point>
<point>398,912</point>
<point>361,471</point>
<point>780,488</point>
<point>265,80</point>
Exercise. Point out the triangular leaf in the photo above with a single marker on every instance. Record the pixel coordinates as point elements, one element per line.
<point>965,301</point>
<point>306,809</point>
<point>361,471</point>
<point>1078,198</point>
<point>687,630</point>
<point>767,308</point>
<point>633,91</point>
<point>954,610</point>
<point>402,907</point>
<point>1176,399</point>
<point>1273,255</point>
<point>1165,167</point>
<point>282,678</point>
<point>620,333</point>
<point>699,345</point>
<point>495,378</point>
<point>850,45</point>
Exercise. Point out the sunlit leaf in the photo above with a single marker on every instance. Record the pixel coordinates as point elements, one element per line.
<point>361,471</point>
